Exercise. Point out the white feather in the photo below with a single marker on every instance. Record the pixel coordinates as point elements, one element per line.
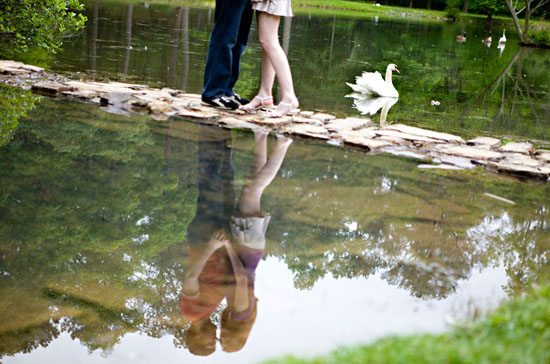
<point>372,83</point>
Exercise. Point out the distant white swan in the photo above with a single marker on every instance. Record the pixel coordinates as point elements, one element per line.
<point>503,38</point>
<point>371,83</point>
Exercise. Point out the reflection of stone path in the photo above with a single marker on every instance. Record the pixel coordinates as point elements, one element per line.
<point>440,150</point>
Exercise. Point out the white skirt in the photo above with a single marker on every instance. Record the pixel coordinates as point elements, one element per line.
<point>250,231</point>
<point>273,7</point>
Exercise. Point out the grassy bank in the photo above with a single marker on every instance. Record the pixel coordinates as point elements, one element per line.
<point>333,7</point>
<point>517,332</point>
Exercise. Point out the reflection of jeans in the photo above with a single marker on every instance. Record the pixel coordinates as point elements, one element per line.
<point>215,183</point>
<point>227,43</point>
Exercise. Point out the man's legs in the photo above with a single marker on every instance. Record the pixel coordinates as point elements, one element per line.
<point>227,42</point>
<point>240,46</point>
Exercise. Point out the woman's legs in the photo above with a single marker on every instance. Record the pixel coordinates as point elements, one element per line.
<point>274,62</point>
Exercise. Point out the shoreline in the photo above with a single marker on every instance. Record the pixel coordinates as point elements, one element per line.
<point>434,150</point>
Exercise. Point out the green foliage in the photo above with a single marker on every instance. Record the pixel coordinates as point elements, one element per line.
<point>26,23</point>
<point>489,7</point>
<point>518,332</point>
<point>540,36</point>
<point>14,104</point>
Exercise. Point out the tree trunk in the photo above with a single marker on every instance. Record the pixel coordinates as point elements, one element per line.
<point>523,36</point>
<point>465,6</point>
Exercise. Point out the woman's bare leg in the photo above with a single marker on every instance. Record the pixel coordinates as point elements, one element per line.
<point>265,94</point>
<point>268,30</point>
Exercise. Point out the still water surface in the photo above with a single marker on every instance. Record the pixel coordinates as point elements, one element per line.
<point>492,90</point>
<point>102,219</point>
<point>104,216</point>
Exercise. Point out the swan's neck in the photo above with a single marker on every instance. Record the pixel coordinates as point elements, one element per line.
<point>388,76</point>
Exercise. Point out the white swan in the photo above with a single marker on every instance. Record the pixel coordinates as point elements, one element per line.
<point>371,83</point>
<point>503,38</point>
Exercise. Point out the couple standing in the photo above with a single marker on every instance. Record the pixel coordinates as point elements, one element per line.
<point>233,19</point>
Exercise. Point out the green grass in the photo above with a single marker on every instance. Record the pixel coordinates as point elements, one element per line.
<point>517,332</point>
<point>346,8</point>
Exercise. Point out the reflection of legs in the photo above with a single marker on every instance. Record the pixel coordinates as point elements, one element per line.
<point>262,172</point>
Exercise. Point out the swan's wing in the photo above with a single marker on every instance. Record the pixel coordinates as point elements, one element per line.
<point>375,85</point>
<point>355,88</point>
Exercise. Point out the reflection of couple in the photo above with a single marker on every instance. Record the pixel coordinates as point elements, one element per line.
<point>227,43</point>
<point>225,243</point>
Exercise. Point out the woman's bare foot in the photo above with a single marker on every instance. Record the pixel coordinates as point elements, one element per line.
<point>284,108</point>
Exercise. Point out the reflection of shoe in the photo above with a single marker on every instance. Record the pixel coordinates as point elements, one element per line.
<point>239,100</point>
<point>286,109</point>
<point>264,101</point>
<point>224,103</point>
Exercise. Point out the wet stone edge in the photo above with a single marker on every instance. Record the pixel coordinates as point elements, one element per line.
<point>434,149</point>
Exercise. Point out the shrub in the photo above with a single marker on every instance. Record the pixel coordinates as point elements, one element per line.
<point>42,23</point>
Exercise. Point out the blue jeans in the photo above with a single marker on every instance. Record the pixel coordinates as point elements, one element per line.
<point>216,198</point>
<point>232,22</point>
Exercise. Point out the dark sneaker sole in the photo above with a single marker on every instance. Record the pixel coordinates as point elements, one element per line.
<point>215,106</point>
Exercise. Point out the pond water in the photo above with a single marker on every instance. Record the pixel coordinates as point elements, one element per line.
<point>106,217</point>
<point>482,90</point>
<point>101,221</point>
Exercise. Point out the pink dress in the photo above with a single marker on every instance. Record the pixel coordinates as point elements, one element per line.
<point>273,7</point>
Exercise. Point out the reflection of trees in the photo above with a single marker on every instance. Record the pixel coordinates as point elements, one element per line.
<point>128,38</point>
<point>14,104</point>
<point>416,232</point>
<point>82,194</point>
<point>94,209</point>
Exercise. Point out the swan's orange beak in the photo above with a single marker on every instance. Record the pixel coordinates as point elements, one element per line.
<point>396,70</point>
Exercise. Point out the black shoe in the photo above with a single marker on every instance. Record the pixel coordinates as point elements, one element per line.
<point>224,103</point>
<point>240,100</point>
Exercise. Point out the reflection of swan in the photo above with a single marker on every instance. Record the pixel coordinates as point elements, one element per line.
<point>371,83</point>
<point>370,105</point>
<point>487,41</point>
<point>503,38</point>
<point>461,38</point>
<point>500,48</point>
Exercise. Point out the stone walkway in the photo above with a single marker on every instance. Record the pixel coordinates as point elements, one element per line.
<point>436,150</point>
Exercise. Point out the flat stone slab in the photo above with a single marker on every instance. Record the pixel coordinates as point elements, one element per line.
<point>426,133</point>
<point>543,155</point>
<point>444,151</point>
<point>51,88</point>
<point>523,148</point>
<point>470,152</point>
<point>17,68</point>
<point>323,117</point>
<point>312,131</point>
<point>485,142</point>
<point>387,132</point>
<point>348,124</point>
